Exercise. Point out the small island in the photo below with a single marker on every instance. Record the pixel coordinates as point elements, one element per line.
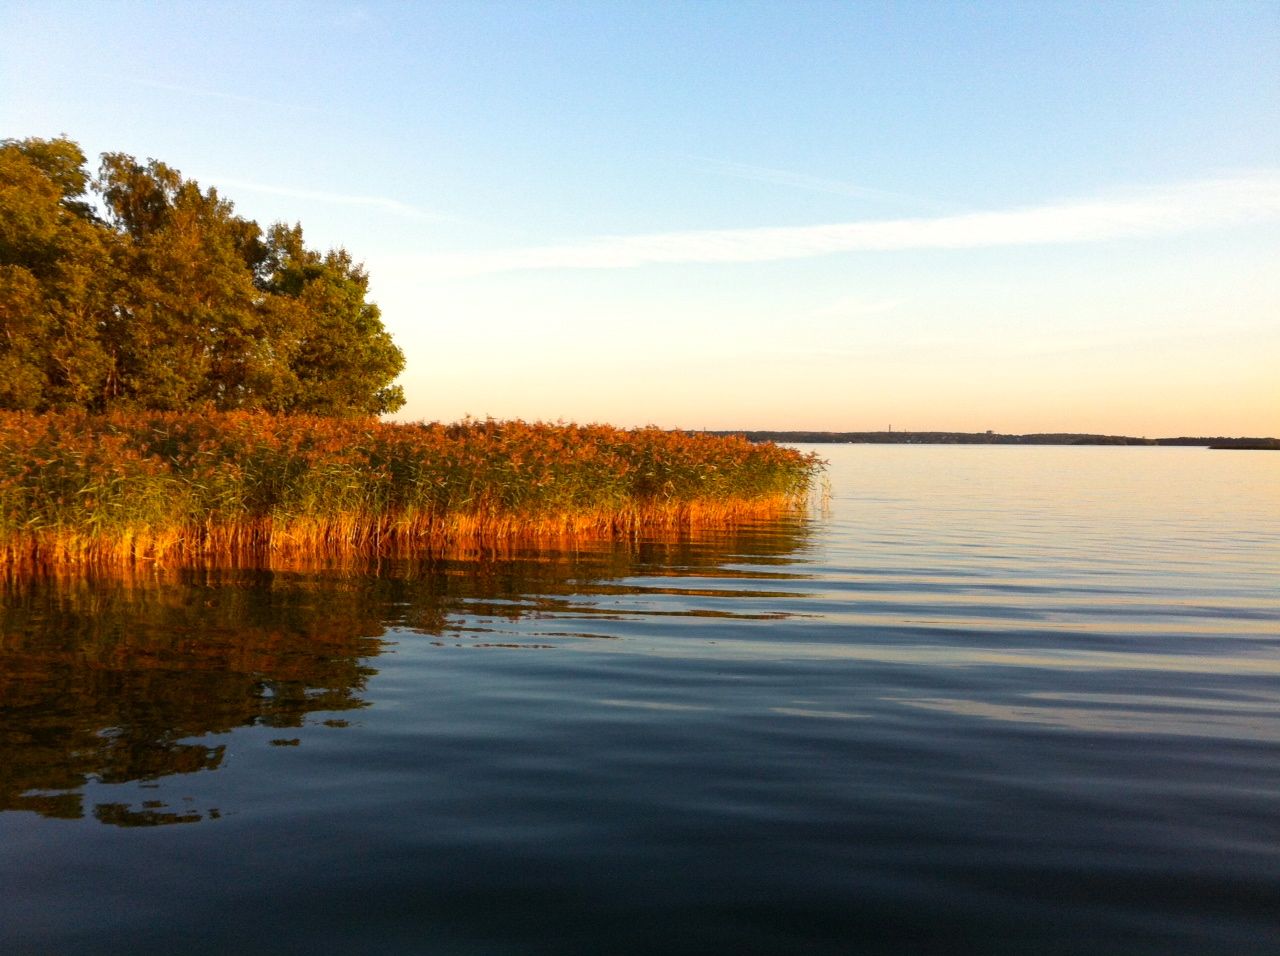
<point>179,385</point>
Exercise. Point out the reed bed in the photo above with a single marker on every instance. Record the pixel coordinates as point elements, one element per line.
<point>174,488</point>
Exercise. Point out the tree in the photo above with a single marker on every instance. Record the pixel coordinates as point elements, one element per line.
<point>168,299</point>
<point>340,356</point>
<point>56,280</point>
<point>188,312</point>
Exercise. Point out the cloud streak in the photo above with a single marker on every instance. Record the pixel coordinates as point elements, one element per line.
<point>1148,213</point>
<point>381,203</point>
<point>854,306</point>
<point>214,94</point>
<point>834,187</point>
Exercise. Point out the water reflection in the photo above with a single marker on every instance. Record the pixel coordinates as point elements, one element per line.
<point>996,702</point>
<point>116,681</point>
<point>112,680</point>
<point>1137,714</point>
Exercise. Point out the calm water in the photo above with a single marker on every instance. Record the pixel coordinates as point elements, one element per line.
<point>994,700</point>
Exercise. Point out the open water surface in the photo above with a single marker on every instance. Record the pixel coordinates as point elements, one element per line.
<point>993,700</point>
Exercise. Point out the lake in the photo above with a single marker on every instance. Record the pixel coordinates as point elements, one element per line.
<point>985,699</point>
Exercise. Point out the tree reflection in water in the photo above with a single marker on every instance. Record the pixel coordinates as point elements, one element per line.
<point>117,680</point>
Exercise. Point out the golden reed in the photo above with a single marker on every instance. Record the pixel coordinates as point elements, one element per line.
<point>79,491</point>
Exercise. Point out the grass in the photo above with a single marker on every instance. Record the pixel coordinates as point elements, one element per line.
<point>126,489</point>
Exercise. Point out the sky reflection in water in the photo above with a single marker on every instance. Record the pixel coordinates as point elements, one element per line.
<point>996,700</point>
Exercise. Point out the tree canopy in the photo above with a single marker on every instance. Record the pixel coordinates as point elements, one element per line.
<point>138,289</point>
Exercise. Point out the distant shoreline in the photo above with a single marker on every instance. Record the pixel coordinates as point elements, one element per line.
<point>993,438</point>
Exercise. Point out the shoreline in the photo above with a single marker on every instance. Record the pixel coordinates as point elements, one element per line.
<point>270,543</point>
<point>994,438</point>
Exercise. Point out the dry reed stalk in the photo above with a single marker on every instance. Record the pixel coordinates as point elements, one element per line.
<point>270,541</point>
<point>165,489</point>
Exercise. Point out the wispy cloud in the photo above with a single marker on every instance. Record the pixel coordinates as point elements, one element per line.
<point>854,306</point>
<point>1142,214</point>
<point>834,187</point>
<point>382,203</point>
<point>351,18</point>
<point>214,94</point>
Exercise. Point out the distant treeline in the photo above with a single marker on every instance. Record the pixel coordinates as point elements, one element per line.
<point>991,438</point>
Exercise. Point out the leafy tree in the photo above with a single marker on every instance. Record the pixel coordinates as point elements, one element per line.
<point>56,280</point>
<point>168,299</point>
<point>188,312</point>
<point>340,357</point>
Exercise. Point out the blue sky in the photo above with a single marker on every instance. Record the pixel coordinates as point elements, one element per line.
<point>1021,217</point>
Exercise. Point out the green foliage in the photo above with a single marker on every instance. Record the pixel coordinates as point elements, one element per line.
<point>56,279</point>
<point>168,300</point>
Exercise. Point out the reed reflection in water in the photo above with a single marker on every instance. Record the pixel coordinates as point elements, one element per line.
<point>113,681</point>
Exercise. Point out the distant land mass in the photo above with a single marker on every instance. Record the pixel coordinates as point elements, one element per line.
<point>994,438</point>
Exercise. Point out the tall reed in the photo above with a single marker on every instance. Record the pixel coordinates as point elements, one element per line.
<point>77,489</point>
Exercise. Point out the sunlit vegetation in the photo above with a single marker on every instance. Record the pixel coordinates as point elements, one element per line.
<point>173,487</point>
<point>138,289</point>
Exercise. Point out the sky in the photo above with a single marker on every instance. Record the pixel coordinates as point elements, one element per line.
<point>1024,217</point>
